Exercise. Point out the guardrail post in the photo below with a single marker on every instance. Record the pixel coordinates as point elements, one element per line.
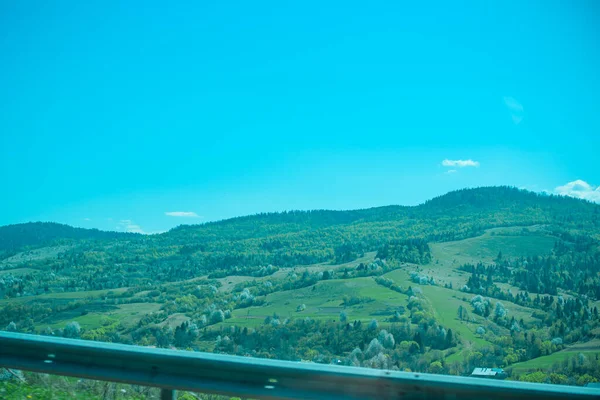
<point>167,394</point>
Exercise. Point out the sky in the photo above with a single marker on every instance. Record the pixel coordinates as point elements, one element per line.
<point>141,115</point>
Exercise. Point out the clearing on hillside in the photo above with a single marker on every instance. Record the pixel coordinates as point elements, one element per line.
<point>324,300</point>
<point>587,349</point>
<point>90,317</point>
<point>512,242</point>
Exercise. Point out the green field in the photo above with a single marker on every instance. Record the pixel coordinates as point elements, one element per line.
<point>448,256</point>
<point>126,314</point>
<point>591,349</point>
<point>325,302</point>
<point>486,247</point>
<point>445,303</point>
<point>66,296</point>
<point>229,282</point>
<point>17,271</point>
<point>174,320</point>
<point>34,255</point>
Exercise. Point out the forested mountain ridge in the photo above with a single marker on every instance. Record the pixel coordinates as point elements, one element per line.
<point>300,237</point>
<point>17,236</point>
<point>479,206</point>
<point>466,203</point>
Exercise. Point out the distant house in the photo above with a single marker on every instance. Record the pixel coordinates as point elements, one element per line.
<point>493,373</point>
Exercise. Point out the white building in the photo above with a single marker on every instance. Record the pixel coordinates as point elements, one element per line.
<point>494,373</point>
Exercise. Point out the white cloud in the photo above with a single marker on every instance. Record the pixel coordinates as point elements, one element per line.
<point>87,219</point>
<point>186,214</point>
<point>450,171</point>
<point>512,104</point>
<point>515,108</point>
<point>580,189</point>
<point>460,163</point>
<point>128,225</point>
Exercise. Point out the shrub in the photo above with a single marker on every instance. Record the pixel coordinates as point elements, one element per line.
<point>217,316</point>
<point>72,330</point>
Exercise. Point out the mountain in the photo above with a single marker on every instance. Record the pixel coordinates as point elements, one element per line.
<point>468,203</point>
<point>456,215</point>
<point>492,276</point>
<point>301,237</point>
<point>13,237</point>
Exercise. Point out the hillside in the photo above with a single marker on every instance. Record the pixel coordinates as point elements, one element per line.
<point>478,277</point>
<point>15,237</point>
<point>281,239</point>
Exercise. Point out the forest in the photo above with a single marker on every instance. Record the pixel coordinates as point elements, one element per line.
<point>486,277</point>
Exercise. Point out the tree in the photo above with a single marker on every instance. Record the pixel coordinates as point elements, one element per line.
<point>217,316</point>
<point>487,310</point>
<point>498,257</point>
<point>387,339</point>
<point>343,317</point>
<point>461,313</point>
<point>12,327</point>
<point>164,337</point>
<point>449,338</point>
<point>72,330</point>
<point>419,340</point>
<point>500,311</point>
<point>537,377</point>
<point>373,324</point>
<point>585,379</point>
<point>203,321</point>
<point>375,347</point>
<point>185,334</point>
<point>356,357</point>
<point>180,335</point>
<point>435,367</point>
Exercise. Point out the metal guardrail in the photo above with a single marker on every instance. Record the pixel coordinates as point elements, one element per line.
<point>252,377</point>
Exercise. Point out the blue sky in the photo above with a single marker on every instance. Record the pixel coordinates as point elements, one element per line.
<point>113,115</point>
